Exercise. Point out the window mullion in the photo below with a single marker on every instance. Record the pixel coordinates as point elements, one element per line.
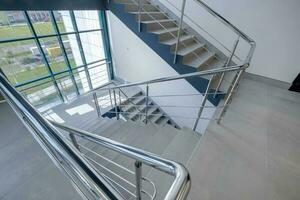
<point>66,59</point>
<point>42,53</point>
<point>72,15</point>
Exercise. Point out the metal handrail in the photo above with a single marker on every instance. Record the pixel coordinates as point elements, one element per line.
<point>232,27</point>
<point>177,77</point>
<point>181,184</point>
<point>90,184</point>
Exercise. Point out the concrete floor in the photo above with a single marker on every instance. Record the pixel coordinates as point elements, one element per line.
<point>26,172</point>
<point>255,153</point>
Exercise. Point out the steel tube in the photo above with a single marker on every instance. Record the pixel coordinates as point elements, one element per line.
<point>97,106</point>
<point>227,64</point>
<point>147,104</point>
<point>229,96</point>
<point>203,103</point>
<point>179,31</point>
<point>138,179</point>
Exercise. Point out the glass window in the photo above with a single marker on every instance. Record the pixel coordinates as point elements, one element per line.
<point>72,49</point>
<point>66,86</point>
<point>13,25</point>
<point>53,52</point>
<point>92,45</point>
<point>87,19</point>
<point>64,21</point>
<point>41,94</point>
<point>41,22</point>
<point>98,74</point>
<point>22,61</point>
<point>81,80</point>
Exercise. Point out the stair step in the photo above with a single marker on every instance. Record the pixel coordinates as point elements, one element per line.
<point>150,12</point>
<point>156,116</point>
<point>166,30</point>
<point>173,41</point>
<point>180,149</point>
<point>134,101</point>
<point>198,62</point>
<point>158,21</point>
<point>190,49</point>
<point>163,121</point>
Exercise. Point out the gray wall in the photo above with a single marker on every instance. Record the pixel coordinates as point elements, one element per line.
<point>273,24</point>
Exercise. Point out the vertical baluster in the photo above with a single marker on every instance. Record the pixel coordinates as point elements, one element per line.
<point>227,64</point>
<point>97,106</point>
<point>116,105</point>
<point>138,178</point>
<point>111,102</point>
<point>147,104</point>
<point>120,100</point>
<point>140,7</point>
<point>74,141</point>
<point>225,106</point>
<point>203,103</point>
<point>180,30</point>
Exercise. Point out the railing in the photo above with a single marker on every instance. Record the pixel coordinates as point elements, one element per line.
<point>180,186</point>
<point>90,184</point>
<point>209,93</point>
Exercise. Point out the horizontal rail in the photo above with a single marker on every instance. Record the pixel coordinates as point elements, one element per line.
<point>181,184</point>
<point>178,77</point>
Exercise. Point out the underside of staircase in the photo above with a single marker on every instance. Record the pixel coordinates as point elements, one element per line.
<point>159,32</point>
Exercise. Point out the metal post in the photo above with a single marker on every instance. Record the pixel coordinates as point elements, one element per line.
<point>140,15</point>
<point>138,178</point>
<point>74,141</point>
<point>147,103</point>
<point>180,29</point>
<point>98,109</point>
<point>230,96</point>
<point>116,108</point>
<point>227,64</point>
<point>203,103</point>
<point>111,103</point>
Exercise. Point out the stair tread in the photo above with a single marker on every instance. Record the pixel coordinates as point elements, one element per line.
<point>157,21</point>
<point>155,117</point>
<point>165,30</point>
<point>173,41</point>
<point>163,121</point>
<point>150,12</point>
<point>201,60</point>
<point>189,49</point>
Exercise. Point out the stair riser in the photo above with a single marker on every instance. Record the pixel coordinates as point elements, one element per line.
<point>151,17</point>
<point>130,1</point>
<point>135,8</point>
<point>161,25</point>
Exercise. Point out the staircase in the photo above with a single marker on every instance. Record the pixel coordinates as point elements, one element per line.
<point>160,32</point>
<point>166,141</point>
<point>134,107</point>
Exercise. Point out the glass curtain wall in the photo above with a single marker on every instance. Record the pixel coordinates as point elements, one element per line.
<point>54,56</point>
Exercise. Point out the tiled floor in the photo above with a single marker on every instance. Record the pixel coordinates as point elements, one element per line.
<point>26,172</point>
<point>255,153</point>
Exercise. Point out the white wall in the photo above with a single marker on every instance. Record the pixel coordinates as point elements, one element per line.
<point>273,24</point>
<point>134,61</point>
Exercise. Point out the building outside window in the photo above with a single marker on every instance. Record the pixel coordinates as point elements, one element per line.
<point>53,56</point>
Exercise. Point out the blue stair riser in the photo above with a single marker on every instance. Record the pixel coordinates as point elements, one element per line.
<point>199,83</point>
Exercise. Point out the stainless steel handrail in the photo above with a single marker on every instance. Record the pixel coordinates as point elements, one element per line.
<point>181,184</point>
<point>232,27</point>
<point>177,77</point>
<point>89,184</point>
